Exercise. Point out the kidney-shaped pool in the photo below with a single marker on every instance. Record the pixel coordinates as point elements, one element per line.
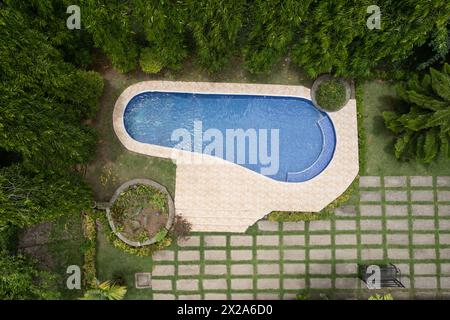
<point>283,138</point>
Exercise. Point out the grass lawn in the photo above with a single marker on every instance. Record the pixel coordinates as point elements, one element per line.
<point>380,160</point>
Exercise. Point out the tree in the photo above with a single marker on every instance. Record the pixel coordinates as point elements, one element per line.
<point>215,26</point>
<point>274,24</point>
<point>28,198</point>
<point>20,279</point>
<point>105,291</point>
<point>424,129</point>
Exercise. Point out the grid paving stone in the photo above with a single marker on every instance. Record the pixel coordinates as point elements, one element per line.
<point>319,225</point>
<point>443,196</point>
<point>422,195</point>
<point>264,284</point>
<point>424,269</point>
<point>369,182</point>
<point>268,241</point>
<point>242,296</point>
<point>371,239</point>
<point>238,255</point>
<point>187,285</point>
<point>370,196</point>
<point>320,254</point>
<point>189,297</point>
<point>188,270</point>
<point>370,225</point>
<point>424,254</point>
<point>242,284</point>
<point>398,239</point>
<point>164,255</point>
<point>215,296</point>
<point>445,268</point>
<point>345,225</point>
<point>215,241</point>
<point>345,254</point>
<point>265,225</point>
<point>320,268</point>
<point>397,224</point>
<point>396,196</point>
<point>318,239</point>
<point>444,238</point>
<point>294,240</point>
<point>346,283</point>
<point>370,210</point>
<point>215,269</point>
<point>192,241</point>
<point>241,241</point>
<point>163,296</point>
<point>265,269</point>
<point>423,238</point>
<point>294,254</point>
<point>444,225</point>
<point>371,254</point>
<point>188,255</point>
<point>422,210</point>
<point>425,282</point>
<point>215,284</point>
<point>444,253</point>
<point>396,210</point>
<point>398,254</point>
<point>345,211</point>
<point>267,296</point>
<point>345,239</point>
<point>215,255</point>
<point>445,282</point>
<point>294,226</point>
<point>161,285</point>
<point>443,181</point>
<point>395,181</point>
<point>241,269</point>
<point>294,268</point>
<point>163,270</point>
<point>404,268</point>
<point>346,268</point>
<point>420,224</point>
<point>293,284</point>
<point>290,296</point>
<point>268,254</point>
<point>421,181</point>
<point>444,210</point>
<point>320,283</point>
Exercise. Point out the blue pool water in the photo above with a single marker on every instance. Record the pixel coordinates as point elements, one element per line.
<point>306,136</point>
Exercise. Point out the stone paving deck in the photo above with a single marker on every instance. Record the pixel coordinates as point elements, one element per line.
<point>278,259</point>
<point>219,196</point>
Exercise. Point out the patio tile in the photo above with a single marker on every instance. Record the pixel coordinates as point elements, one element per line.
<point>241,241</point>
<point>215,241</point>
<point>444,225</point>
<point>294,268</point>
<point>370,225</point>
<point>267,296</point>
<point>294,254</point>
<point>242,296</point>
<point>241,269</point>
<point>320,283</point>
<point>293,284</point>
<point>422,195</point>
<point>320,268</point>
<point>395,181</point>
<point>293,226</point>
<point>423,239</point>
<point>188,255</point>
<point>346,268</point>
<point>444,210</point>
<point>419,224</point>
<point>215,269</point>
<point>263,284</point>
<point>371,254</point>
<point>345,239</point>
<point>421,181</point>
<point>238,255</point>
<point>371,239</point>
<point>242,284</point>
<point>294,240</point>
<point>320,254</point>
<point>161,285</point>
<point>422,210</point>
<point>320,240</point>
<point>188,270</point>
<point>370,196</point>
<point>319,225</point>
<point>267,269</point>
<point>425,282</point>
<point>398,239</point>
<point>163,296</point>
<point>345,225</point>
<point>396,196</point>
<point>444,253</point>
<point>396,210</point>
<point>268,225</point>
<point>215,296</point>
<point>268,254</point>
<point>443,181</point>
<point>189,297</point>
<point>215,255</point>
<point>444,238</point>
<point>164,255</point>
<point>424,254</point>
<point>346,211</point>
<point>397,224</point>
<point>268,240</point>
<point>370,210</point>
<point>445,282</point>
<point>424,269</point>
<point>398,254</point>
<point>192,241</point>
<point>214,284</point>
<point>346,283</point>
<point>443,196</point>
<point>369,181</point>
<point>345,254</point>
<point>163,270</point>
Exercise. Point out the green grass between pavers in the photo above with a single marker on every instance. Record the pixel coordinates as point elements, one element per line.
<point>380,160</point>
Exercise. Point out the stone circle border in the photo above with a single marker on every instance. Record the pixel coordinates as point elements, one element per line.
<point>325,77</point>
<point>124,187</point>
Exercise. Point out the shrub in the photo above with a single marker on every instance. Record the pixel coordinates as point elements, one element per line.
<point>149,62</point>
<point>331,95</point>
<point>181,227</point>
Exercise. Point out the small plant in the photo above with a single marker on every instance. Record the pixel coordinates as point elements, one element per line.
<point>161,235</point>
<point>106,290</point>
<point>149,62</point>
<point>331,95</point>
<point>377,296</point>
<point>181,227</point>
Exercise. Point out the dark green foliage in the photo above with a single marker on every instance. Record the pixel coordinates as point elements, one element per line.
<point>215,25</point>
<point>331,95</point>
<point>424,129</point>
<point>21,280</point>
<point>273,26</point>
<point>27,199</point>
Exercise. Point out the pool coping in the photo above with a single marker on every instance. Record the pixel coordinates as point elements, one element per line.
<point>223,177</point>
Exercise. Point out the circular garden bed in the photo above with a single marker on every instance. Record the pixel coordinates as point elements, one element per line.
<point>330,94</point>
<point>141,212</point>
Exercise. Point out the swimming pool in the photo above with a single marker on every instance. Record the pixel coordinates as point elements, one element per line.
<point>289,131</point>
